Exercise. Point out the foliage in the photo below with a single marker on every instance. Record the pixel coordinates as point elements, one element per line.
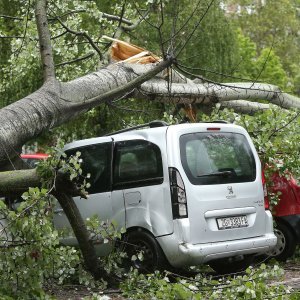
<point>254,284</point>
<point>105,119</point>
<point>30,247</point>
<point>105,232</point>
<point>30,250</point>
<point>265,66</point>
<point>271,24</point>
<point>20,70</point>
<point>59,162</point>
<point>247,56</point>
<point>211,51</point>
<point>270,69</point>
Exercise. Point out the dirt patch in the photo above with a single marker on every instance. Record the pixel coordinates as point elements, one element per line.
<point>78,292</point>
<point>292,275</point>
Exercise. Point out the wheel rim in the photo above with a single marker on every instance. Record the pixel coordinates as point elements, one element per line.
<point>148,256</point>
<point>281,243</point>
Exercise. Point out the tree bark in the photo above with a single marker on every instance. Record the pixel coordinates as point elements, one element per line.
<point>44,40</point>
<point>208,93</point>
<point>14,183</point>
<point>244,107</point>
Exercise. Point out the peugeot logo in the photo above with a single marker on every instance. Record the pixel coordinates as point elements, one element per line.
<point>230,190</point>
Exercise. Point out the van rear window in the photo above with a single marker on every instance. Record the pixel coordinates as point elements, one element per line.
<point>216,158</point>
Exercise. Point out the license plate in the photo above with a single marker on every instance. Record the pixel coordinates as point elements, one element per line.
<point>232,222</point>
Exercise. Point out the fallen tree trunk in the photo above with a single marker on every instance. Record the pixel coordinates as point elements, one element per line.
<point>14,183</point>
<point>56,103</point>
<point>85,243</point>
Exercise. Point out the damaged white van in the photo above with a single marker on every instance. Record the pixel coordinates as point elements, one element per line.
<point>187,194</point>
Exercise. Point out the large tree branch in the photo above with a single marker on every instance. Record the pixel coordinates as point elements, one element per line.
<point>127,88</point>
<point>245,107</point>
<point>44,40</point>
<point>55,103</point>
<point>14,183</point>
<point>208,93</point>
<point>77,223</point>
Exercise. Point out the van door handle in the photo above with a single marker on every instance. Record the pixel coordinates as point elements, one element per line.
<point>58,211</point>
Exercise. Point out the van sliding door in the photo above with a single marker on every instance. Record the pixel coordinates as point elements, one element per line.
<point>138,172</point>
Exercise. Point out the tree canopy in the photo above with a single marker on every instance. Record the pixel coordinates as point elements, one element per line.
<point>209,47</point>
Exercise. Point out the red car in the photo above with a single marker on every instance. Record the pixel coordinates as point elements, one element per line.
<point>287,216</point>
<point>31,159</point>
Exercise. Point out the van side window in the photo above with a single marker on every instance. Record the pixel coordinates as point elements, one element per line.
<point>96,160</point>
<point>137,163</point>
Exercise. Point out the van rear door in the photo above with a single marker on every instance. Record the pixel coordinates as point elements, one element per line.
<point>223,186</point>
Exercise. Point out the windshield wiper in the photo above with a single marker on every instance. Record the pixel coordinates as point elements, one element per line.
<point>223,174</point>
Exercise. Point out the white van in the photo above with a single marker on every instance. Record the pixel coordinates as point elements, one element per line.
<point>187,194</point>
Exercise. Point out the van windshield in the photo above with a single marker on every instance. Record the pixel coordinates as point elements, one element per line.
<point>216,158</point>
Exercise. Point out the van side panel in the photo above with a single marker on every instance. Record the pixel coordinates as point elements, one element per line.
<point>145,186</point>
<point>152,211</point>
<point>118,209</point>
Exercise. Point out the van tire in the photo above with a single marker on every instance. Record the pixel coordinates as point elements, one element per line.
<point>153,256</point>
<point>231,265</point>
<point>286,243</point>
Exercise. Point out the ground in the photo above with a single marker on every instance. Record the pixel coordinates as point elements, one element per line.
<point>77,292</point>
<point>292,274</point>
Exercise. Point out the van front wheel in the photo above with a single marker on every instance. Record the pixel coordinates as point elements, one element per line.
<point>143,252</point>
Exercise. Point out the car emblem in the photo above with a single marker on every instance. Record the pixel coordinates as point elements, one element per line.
<point>230,190</point>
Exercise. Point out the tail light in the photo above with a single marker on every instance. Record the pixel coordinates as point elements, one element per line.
<point>178,196</point>
<point>266,198</point>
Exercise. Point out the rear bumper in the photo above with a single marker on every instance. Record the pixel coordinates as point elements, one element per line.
<point>194,254</point>
<point>204,253</point>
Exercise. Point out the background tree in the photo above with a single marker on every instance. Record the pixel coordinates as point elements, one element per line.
<point>275,25</point>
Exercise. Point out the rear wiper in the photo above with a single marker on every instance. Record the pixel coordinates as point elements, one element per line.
<point>223,174</point>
